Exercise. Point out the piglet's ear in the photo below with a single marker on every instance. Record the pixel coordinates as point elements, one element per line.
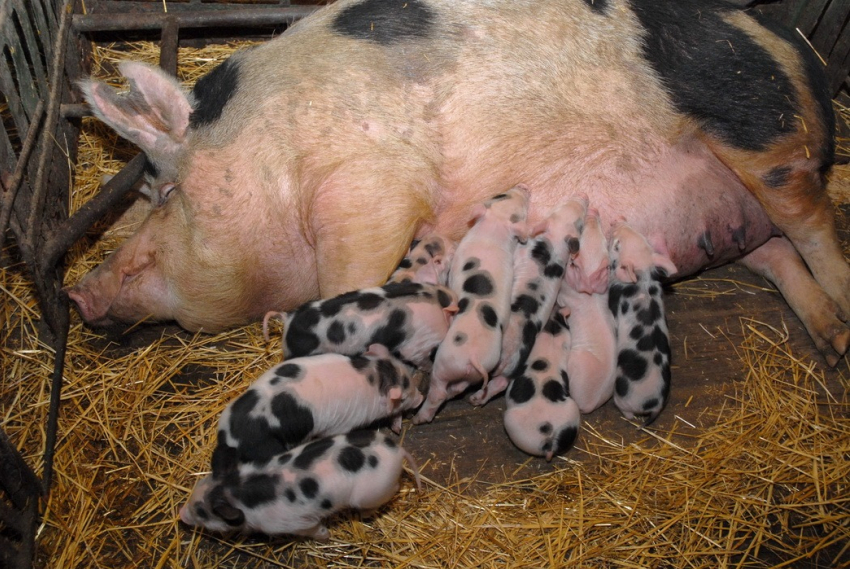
<point>232,515</point>
<point>478,212</point>
<point>378,350</point>
<point>626,274</point>
<point>539,228</point>
<point>664,262</point>
<point>154,115</point>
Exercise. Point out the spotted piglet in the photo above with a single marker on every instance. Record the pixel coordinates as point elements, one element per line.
<point>293,492</point>
<point>313,396</point>
<point>635,300</point>
<point>482,276</point>
<point>428,261</point>
<point>541,418</point>
<point>538,269</point>
<point>411,319</point>
<point>592,365</point>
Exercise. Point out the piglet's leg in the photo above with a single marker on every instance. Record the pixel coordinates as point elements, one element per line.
<point>778,261</point>
<point>355,249</point>
<point>494,387</point>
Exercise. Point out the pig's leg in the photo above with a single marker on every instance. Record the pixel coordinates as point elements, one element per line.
<point>778,261</point>
<point>436,396</point>
<point>494,387</point>
<point>355,250</point>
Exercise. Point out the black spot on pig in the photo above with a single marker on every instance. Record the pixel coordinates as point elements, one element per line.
<point>541,253</point>
<point>646,343</point>
<point>225,459</point>
<point>462,305</point>
<point>471,264</point>
<point>479,284</point>
<point>598,6</point>
<point>312,452</point>
<point>421,260</point>
<point>545,428</point>
<point>539,365</point>
<point>554,391</point>
<point>629,290</point>
<point>213,91</point>
<point>398,290</point>
<point>459,339</point>
<point>777,177</point>
<point>553,271</point>
<point>488,315</point>
<point>360,438</point>
<point>716,73</point>
<point>565,379</point>
<point>650,404</point>
<point>389,442</point>
<point>351,459</point>
<point>661,341</point>
<point>369,301</point>
<point>653,290</point>
<point>257,440</point>
<point>309,487</point>
<point>289,371</point>
<point>336,332</point>
<point>556,323</point>
<point>624,307</point>
<point>633,364</point>
<point>434,248</point>
<point>201,512</point>
<point>296,422</point>
<point>359,362</point>
<point>621,386</point>
<point>651,314</point>
<point>658,359</point>
<point>636,333</point>
<point>526,304</point>
<point>521,389</point>
<point>373,461</point>
<point>301,338</point>
<point>290,495</point>
<point>444,298</point>
<point>405,264</point>
<point>256,490</point>
<point>284,458</point>
<point>326,504</point>
<point>566,439</point>
<point>392,333</point>
<point>387,376</point>
<point>385,22</point>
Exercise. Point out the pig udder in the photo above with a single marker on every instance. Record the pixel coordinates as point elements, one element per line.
<point>128,285</point>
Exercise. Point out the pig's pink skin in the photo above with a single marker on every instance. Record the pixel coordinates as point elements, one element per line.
<point>365,490</point>
<point>471,348</point>
<point>588,271</point>
<point>275,196</point>
<point>632,255</point>
<point>593,357</point>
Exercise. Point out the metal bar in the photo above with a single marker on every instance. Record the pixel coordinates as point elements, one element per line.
<point>40,185</point>
<point>243,17</point>
<point>12,184</point>
<point>76,226</point>
<point>61,343</point>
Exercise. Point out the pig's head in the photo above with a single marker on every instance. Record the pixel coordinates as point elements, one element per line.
<point>633,256</point>
<point>511,207</point>
<point>588,270</point>
<point>187,262</point>
<point>210,506</point>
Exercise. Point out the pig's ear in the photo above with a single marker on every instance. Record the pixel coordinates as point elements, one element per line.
<point>521,231</point>
<point>154,115</point>
<point>477,212</point>
<point>222,508</point>
<point>539,228</point>
<point>663,262</point>
<point>626,273</point>
<point>378,350</point>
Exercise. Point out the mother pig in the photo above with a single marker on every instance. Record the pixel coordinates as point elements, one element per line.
<point>302,168</point>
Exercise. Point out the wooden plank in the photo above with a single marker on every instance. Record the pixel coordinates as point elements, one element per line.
<point>811,13</point>
<point>30,48</point>
<point>828,31</point>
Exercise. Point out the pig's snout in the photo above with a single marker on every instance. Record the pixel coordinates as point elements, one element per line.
<point>186,515</point>
<point>92,307</point>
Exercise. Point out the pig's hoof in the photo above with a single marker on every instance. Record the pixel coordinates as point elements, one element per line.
<point>422,418</point>
<point>836,346</point>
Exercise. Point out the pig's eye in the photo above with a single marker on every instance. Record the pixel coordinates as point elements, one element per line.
<point>165,191</point>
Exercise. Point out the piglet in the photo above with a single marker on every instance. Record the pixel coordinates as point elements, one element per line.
<point>411,319</point>
<point>538,269</point>
<point>313,396</point>
<point>482,276</point>
<point>592,365</point>
<point>541,418</point>
<point>428,261</point>
<point>293,492</point>
<point>635,299</point>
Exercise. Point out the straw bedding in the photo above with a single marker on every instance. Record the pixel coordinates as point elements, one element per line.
<point>765,484</point>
